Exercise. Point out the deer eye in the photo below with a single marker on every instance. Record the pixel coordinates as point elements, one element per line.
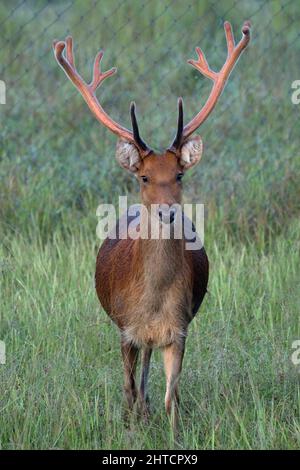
<point>179,177</point>
<point>145,179</point>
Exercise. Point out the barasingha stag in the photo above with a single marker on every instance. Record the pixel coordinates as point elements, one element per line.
<point>152,288</point>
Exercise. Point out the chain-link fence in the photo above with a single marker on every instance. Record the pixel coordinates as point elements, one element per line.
<point>47,129</point>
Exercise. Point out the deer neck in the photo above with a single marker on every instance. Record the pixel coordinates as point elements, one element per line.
<point>162,261</point>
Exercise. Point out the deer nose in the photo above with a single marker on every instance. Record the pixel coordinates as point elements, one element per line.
<point>167,214</point>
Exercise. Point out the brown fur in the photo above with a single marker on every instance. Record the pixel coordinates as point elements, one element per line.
<point>152,288</point>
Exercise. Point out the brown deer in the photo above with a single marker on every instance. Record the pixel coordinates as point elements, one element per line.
<point>152,288</point>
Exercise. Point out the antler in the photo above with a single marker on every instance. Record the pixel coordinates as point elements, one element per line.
<point>88,92</point>
<point>219,79</point>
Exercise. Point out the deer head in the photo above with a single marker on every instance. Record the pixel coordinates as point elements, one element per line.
<point>160,175</point>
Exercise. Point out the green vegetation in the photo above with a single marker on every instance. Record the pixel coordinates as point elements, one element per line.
<point>62,384</point>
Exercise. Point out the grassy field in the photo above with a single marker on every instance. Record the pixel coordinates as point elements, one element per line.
<point>61,386</point>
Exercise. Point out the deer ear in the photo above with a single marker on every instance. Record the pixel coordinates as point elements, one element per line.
<point>191,152</point>
<point>128,155</point>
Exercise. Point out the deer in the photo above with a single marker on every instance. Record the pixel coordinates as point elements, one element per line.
<point>153,288</point>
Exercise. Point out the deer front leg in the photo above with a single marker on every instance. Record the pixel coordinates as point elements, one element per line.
<point>173,356</point>
<point>130,356</point>
<point>143,393</point>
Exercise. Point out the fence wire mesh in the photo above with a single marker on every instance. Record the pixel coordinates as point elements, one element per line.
<point>47,129</point>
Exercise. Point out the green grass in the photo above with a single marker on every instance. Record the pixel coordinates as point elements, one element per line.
<point>62,384</point>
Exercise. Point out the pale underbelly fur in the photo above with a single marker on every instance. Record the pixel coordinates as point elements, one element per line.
<point>160,321</point>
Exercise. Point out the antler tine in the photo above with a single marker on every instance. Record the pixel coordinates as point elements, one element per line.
<point>69,51</point>
<point>219,78</point>
<point>88,90</point>
<point>229,38</point>
<point>98,76</point>
<point>178,138</point>
<point>135,128</point>
<point>202,65</point>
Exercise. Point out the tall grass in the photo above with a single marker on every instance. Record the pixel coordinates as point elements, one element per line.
<point>62,384</point>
